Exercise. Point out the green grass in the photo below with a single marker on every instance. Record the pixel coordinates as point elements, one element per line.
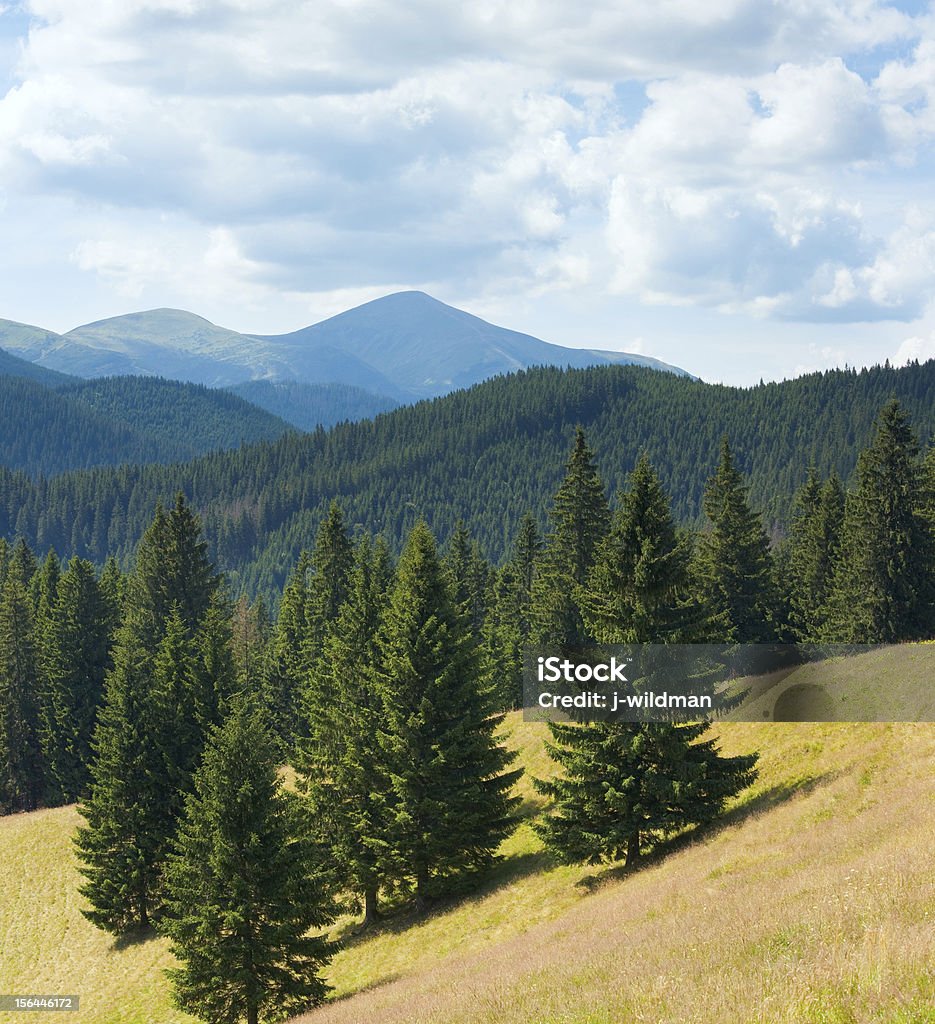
<point>813,901</point>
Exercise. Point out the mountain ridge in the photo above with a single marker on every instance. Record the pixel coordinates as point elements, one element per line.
<point>403,346</point>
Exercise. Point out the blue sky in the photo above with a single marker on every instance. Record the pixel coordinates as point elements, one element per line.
<point>741,187</point>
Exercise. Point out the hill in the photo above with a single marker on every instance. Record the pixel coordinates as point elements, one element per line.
<point>486,455</point>
<point>812,901</point>
<point>308,406</point>
<point>121,420</point>
<point>403,346</point>
<point>13,366</point>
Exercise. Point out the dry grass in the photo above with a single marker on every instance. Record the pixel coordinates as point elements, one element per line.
<point>814,902</point>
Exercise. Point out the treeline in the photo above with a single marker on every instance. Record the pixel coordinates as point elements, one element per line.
<point>78,424</point>
<point>486,455</point>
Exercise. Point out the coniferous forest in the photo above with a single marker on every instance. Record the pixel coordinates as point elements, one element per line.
<point>164,697</point>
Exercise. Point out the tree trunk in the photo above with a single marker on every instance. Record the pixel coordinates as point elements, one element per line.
<point>633,850</point>
<point>422,884</point>
<point>371,913</point>
<point>253,1015</point>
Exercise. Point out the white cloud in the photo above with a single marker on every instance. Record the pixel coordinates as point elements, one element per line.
<point>915,348</point>
<point>725,154</point>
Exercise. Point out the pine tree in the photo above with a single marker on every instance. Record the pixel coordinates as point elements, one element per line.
<point>448,773</point>
<point>883,586</point>
<point>623,783</point>
<point>734,567</point>
<point>21,765</point>
<point>243,891</point>
<point>159,699</point>
<point>286,668</point>
<point>128,812</point>
<point>346,783</point>
<point>815,535</point>
<point>75,662</point>
<point>580,517</point>
<point>509,624</point>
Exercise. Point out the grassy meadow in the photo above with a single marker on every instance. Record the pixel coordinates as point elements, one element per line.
<point>813,901</point>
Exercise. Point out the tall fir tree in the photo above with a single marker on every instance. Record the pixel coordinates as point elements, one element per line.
<point>75,662</point>
<point>814,539</point>
<point>347,783</point>
<point>883,587</point>
<point>331,562</point>
<point>449,774</point>
<point>580,517</point>
<point>623,783</point>
<point>159,700</point>
<point>244,892</point>
<point>734,566</point>
<point>21,763</point>
<point>286,667</point>
<point>509,623</point>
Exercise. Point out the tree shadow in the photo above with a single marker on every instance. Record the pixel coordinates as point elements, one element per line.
<point>368,986</point>
<point>403,916</point>
<point>751,807</point>
<point>137,937</point>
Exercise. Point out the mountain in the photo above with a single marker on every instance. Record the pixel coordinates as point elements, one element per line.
<point>427,348</point>
<point>118,420</point>
<point>485,455</point>
<point>308,406</point>
<point>403,347</point>
<point>14,366</point>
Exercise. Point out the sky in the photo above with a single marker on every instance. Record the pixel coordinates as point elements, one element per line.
<point>743,188</point>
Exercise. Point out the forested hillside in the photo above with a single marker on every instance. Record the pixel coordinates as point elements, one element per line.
<point>485,455</point>
<point>13,366</point>
<point>115,420</point>
<point>308,406</point>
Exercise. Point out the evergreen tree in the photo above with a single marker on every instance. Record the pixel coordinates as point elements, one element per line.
<point>129,810</point>
<point>21,767</point>
<point>450,786</point>
<point>580,517</point>
<point>509,624</point>
<point>624,783</point>
<point>470,576</point>
<point>76,660</point>
<point>815,535</point>
<point>621,782</point>
<point>346,783</point>
<point>243,893</point>
<point>734,567</point>
<point>286,668</point>
<point>332,561</point>
<point>883,584</point>
<point>159,700</point>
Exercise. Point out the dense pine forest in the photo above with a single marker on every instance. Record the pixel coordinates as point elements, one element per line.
<point>48,426</point>
<point>165,708</point>
<point>486,455</point>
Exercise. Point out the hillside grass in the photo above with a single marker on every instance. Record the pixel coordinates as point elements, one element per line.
<point>813,901</point>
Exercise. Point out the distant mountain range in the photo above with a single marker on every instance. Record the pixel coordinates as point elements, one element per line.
<point>401,347</point>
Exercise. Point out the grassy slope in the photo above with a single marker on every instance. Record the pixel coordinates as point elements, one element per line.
<point>814,902</point>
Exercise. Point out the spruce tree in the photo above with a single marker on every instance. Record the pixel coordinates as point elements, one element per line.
<point>815,535</point>
<point>623,783</point>
<point>509,623</point>
<point>286,667</point>
<point>21,764</point>
<point>580,517</point>
<point>160,697</point>
<point>734,566</point>
<point>243,886</point>
<point>448,773</point>
<point>75,662</point>
<point>883,587</point>
<point>346,783</point>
